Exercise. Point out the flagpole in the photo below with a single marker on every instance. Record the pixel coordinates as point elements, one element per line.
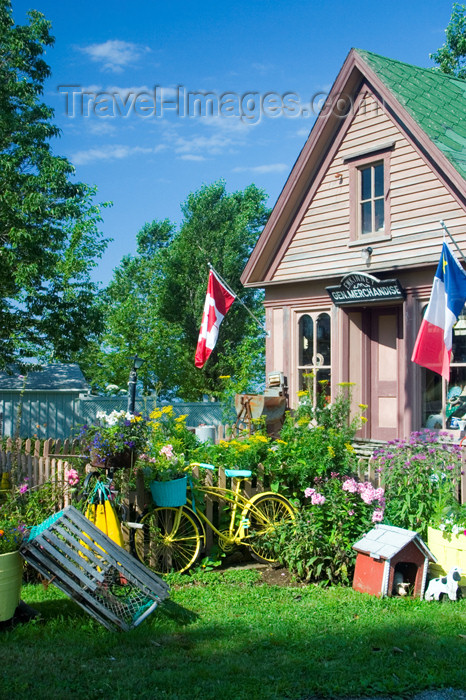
<point>259,323</point>
<point>442,224</point>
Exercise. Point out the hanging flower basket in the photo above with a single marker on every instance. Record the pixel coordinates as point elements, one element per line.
<point>169,493</point>
<point>11,572</point>
<point>119,460</point>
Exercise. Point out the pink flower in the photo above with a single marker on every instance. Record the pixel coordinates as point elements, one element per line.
<point>167,450</point>
<point>23,488</point>
<point>367,492</point>
<point>377,515</point>
<point>309,492</point>
<point>350,485</point>
<point>351,512</point>
<point>72,477</point>
<point>317,499</point>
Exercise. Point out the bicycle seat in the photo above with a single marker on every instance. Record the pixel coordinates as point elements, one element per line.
<point>238,473</point>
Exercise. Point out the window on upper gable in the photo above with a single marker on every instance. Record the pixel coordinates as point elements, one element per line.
<point>371,199</point>
<point>369,194</point>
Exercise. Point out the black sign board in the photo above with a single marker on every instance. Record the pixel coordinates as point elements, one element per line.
<point>361,288</point>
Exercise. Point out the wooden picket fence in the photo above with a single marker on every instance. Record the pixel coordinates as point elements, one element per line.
<point>39,461</point>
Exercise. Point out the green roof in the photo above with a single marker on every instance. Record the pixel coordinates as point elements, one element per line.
<point>436,101</point>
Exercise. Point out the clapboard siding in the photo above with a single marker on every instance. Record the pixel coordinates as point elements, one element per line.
<point>418,200</point>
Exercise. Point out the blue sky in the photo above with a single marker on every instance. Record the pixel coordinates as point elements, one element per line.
<point>147,147</point>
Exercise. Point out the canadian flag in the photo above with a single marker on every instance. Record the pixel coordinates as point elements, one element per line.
<point>217,302</point>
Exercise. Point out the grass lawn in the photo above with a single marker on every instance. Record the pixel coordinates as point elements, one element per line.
<point>227,636</point>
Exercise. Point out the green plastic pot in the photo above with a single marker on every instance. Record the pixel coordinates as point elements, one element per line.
<point>11,573</point>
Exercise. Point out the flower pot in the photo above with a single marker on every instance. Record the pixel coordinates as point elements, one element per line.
<point>449,550</point>
<point>118,460</point>
<point>11,572</point>
<point>169,493</point>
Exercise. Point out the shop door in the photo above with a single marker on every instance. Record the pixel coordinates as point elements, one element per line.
<point>374,346</point>
<point>385,346</point>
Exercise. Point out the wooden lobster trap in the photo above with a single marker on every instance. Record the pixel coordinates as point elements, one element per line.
<point>101,577</point>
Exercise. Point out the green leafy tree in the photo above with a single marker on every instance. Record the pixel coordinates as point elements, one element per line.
<point>132,322</point>
<point>451,57</point>
<point>222,229</point>
<point>155,300</point>
<point>49,238</point>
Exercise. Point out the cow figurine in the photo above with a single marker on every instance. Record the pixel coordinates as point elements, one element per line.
<point>445,585</point>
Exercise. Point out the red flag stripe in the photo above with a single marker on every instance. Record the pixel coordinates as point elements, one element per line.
<point>217,303</point>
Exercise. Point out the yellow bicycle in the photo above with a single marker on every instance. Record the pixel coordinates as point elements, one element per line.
<point>172,538</point>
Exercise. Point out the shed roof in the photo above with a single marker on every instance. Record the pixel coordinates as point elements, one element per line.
<point>54,377</point>
<point>435,100</point>
<point>384,541</point>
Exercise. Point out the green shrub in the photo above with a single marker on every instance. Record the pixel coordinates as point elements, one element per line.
<point>420,476</point>
<point>314,442</point>
<point>317,546</point>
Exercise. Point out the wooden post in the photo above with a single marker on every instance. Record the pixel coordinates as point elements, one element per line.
<point>140,492</point>
<point>208,511</point>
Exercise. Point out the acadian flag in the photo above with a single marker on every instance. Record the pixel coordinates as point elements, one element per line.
<point>433,343</point>
<point>217,302</point>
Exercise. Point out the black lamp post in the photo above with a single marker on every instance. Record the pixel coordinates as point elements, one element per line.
<point>133,378</point>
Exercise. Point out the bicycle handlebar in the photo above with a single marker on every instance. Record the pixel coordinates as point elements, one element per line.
<point>203,465</point>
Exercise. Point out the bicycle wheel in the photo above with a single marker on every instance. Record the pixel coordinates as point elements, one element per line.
<point>266,512</point>
<point>171,539</point>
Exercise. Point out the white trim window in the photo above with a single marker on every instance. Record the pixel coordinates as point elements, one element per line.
<point>314,351</point>
<point>371,199</point>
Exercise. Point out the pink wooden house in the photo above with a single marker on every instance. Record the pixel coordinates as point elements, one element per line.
<point>348,255</point>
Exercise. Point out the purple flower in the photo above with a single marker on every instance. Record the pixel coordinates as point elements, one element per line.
<point>23,488</point>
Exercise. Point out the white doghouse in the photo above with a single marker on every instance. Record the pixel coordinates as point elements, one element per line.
<point>445,585</point>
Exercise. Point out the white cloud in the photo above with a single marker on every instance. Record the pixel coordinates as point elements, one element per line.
<point>262,68</point>
<point>191,156</point>
<point>263,169</point>
<point>302,133</point>
<point>110,152</point>
<point>114,55</point>
<point>101,127</point>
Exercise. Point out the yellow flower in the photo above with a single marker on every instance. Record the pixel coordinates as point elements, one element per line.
<point>136,419</point>
<point>180,419</point>
<point>259,438</point>
<point>363,406</point>
<point>167,409</point>
<point>302,393</point>
<point>330,450</point>
<point>281,442</point>
<point>225,376</point>
<point>363,419</point>
<point>346,383</point>
<point>349,447</point>
<point>155,414</point>
<point>308,375</point>
<point>303,421</point>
